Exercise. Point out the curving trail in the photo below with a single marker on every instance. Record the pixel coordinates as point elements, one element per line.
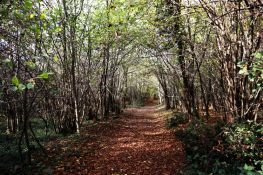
<point>136,143</point>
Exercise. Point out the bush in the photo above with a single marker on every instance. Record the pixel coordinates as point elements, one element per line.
<point>233,149</point>
<point>198,139</point>
<point>197,136</point>
<point>137,103</point>
<point>243,142</point>
<point>176,119</point>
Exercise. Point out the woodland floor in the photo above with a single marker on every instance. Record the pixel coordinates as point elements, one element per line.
<point>138,142</point>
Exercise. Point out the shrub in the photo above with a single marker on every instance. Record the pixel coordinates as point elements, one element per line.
<point>243,142</point>
<point>176,119</point>
<point>233,149</point>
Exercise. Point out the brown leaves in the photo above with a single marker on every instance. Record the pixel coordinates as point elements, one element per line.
<point>136,143</point>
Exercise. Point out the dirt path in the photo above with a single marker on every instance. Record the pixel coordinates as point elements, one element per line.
<point>136,143</point>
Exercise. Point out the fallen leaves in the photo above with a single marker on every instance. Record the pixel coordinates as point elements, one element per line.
<point>136,143</point>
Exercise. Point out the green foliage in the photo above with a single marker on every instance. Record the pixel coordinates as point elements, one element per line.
<point>250,169</point>
<point>242,139</point>
<point>137,103</point>
<point>233,149</point>
<point>197,136</point>
<point>198,139</point>
<point>254,70</point>
<point>28,4</point>
<point>42,16</point>
<point>176,119</point>
<point>8,62</point>
<point>30,64</point>
<point>15,81</point>
<point>19,86</point>
<point>8,143</point>
<point>258,55</point>
<point>44,75</point>
<point>30,86</point>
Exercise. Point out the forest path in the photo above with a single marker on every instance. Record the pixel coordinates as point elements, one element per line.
<point>136,143</point>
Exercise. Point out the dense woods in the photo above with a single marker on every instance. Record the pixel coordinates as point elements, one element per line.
<point>66,63</point>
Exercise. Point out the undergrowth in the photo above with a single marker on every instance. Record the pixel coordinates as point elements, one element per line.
<point>232,149</point>
<point>9,155</point>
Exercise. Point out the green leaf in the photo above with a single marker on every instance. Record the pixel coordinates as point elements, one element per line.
<point>15,81</point>
<point>43,16</point>
<point>55,59</point>
<point>14,88</point>
<point>3,12</point>
<point>21,87</point>
<point>257,68</point>
<point>31,16</point>
<point>258,55</point>
<point>31,64</point>
<point>28,4</point>
<point>44,75</point>
<point>8,62</point>
<point>58,29</point>
<point>248,167</point>
<point>18,14</point>
<point>30,86</point>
